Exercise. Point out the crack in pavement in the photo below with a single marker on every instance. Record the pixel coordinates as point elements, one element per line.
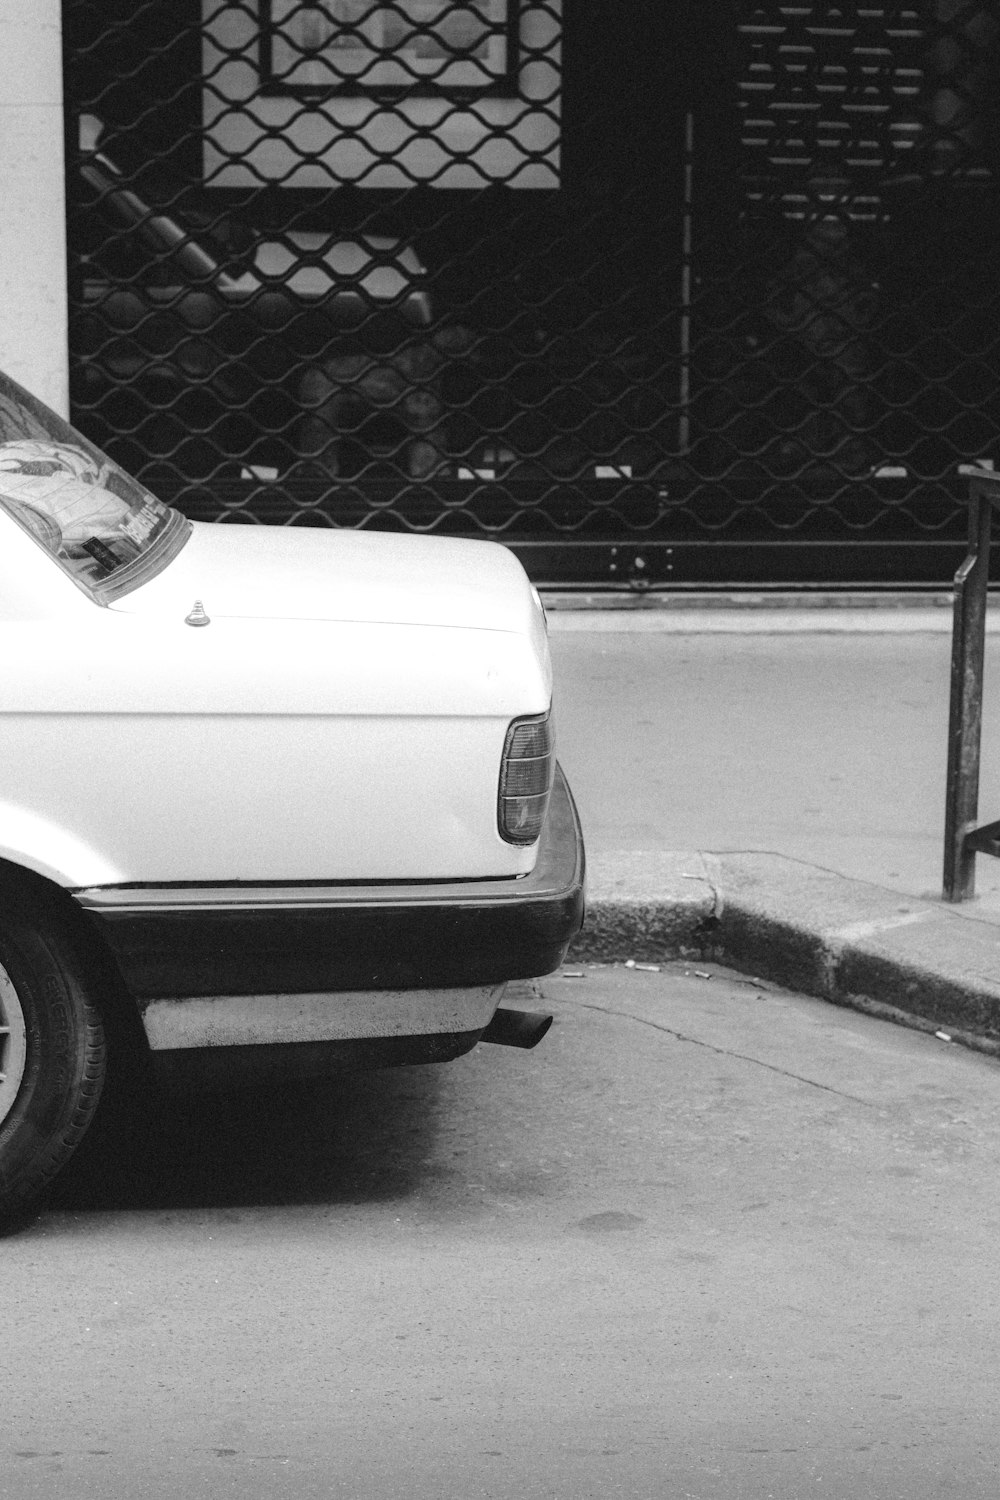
<point>694,1041</point>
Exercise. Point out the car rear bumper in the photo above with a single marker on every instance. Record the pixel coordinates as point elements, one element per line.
<point>306,940</point>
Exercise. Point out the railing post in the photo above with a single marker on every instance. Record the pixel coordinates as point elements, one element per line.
<point>966,705</point>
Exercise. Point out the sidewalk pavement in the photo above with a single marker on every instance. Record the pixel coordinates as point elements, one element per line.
<point>761,782</point>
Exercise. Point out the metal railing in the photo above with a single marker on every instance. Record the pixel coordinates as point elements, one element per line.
<point>963,840</point>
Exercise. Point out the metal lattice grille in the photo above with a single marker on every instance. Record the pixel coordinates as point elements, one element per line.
<point>648,286</point>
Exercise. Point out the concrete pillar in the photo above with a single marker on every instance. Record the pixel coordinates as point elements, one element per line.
<point>33,346</point>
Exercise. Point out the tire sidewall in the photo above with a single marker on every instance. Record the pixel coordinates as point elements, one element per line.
<point>58,1090</point>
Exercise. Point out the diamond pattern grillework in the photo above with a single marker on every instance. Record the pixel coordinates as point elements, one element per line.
<point>651,294</point>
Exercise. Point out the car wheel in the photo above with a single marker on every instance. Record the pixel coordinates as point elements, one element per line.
<point>52,1054</point>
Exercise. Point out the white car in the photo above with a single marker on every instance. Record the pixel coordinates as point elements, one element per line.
<point>270,797</point>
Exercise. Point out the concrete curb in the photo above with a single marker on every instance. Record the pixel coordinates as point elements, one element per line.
<point>769,612</point>
<point>693,621</point>
<point>923,964</point>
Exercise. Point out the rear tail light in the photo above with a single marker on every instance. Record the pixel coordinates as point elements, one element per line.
<point>526,772</point>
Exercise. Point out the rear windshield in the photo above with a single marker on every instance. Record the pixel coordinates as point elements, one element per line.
<point>97,522</point>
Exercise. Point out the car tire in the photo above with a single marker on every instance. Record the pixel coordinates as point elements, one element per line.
<point>52,1053</point>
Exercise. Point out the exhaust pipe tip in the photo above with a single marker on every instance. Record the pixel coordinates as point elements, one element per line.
<point>517,1028</point>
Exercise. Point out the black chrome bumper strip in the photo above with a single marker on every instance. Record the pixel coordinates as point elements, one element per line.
<point>248,939</point>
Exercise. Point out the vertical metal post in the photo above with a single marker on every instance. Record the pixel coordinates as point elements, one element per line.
<point>966,707</point>
<point>684,418</point>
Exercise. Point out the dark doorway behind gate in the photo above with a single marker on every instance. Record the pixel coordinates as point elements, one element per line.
<point>652,295</point>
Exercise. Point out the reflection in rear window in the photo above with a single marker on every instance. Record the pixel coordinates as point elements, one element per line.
<point>107,531</point>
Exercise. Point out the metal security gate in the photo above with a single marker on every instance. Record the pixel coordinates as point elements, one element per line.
<point>650,294</point>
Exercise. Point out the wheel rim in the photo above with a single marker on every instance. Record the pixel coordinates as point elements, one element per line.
<point>13,1044</point>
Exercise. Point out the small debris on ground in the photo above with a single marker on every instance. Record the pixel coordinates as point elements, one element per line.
<point>702,974</point>
<point>630,963</point>
<point>943,1036</point>
<point>573,974</point>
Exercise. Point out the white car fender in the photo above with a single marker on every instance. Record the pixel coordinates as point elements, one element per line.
<point>50,849</point>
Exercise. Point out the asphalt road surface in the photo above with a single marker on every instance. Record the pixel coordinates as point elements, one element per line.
<point>708,1241</point>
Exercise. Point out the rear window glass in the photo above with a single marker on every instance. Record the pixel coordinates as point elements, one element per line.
<point>97,522</point>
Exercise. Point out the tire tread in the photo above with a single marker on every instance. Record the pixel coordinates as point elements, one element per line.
<point>36,940</point>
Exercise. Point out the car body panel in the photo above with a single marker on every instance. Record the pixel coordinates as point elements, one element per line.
<point>349,576</point>
<point>47,846</point>
<point>264,766</point>
<point>182,942</point>
<point>34,592</point>
<point>262,749</point>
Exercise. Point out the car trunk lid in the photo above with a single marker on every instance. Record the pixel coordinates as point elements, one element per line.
<point>345,576</point>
